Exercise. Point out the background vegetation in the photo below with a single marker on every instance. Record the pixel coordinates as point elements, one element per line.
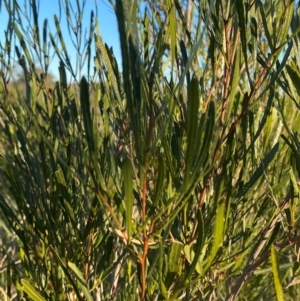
<point>174,176</point>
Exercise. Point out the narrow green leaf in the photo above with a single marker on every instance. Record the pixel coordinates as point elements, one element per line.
<point>160,47</point>
<point>267,111</point>
<point>86,111</point>
<point>45,45</point>
<point>209,130</point>
<point>60,177</point>
<point>283,266</point>
<point>218,236</point>
<point>295,76</point>
<point>23,45</point>
<point>196,262</point>
<point>63,84</point>
<point>172,28</point>
<point>34,92</point>
<point>240,5</point>
<point>146,41</point>
<point>60,36</point>
<point>294,182</point>
<point>36,31</point>
<point>160,181</point>
<point>259,171</point>
<point>265,22</point>
<point>185,60</point>
<point>57,51</point>
<point>114,172</point>
<point>276,276</point>
<point>31,291</point>
<point>88,51</point>
<point>82,282</point>
<point>161,260</point>
<point>174,257</point>
<point>128,196</point>
<point>192,124</point>
<point>23,64</point>
<point>234,83</point>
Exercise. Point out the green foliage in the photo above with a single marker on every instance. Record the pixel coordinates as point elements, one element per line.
<point>173,176</point>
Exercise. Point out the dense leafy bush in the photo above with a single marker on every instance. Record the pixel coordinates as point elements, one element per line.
<point>171,177</point>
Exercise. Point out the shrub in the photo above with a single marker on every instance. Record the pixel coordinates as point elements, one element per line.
<point>171,177</point>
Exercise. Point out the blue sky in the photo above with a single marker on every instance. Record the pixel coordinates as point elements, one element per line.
<point>106,17</point>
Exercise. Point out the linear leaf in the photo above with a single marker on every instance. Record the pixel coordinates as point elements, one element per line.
<point>259,171</point>
<point>174,257</point>
<point>196,262</point>
<point>240,5</point>
<point>192,124</point>
<point>276,276</point>
<point>265,24</point>
<point>185,59</point>
<point>295,76</point>
<point>160,180</point>
<point>209,130</point>
<point>82,282</point>
<point>36,31</point>
<point>263,120</point>
<point>287,16</point>
<point>45,45</point>
<point>128,196</point>
<point>31,291</point>
<point>23,45</point>
<point>219,236</point>
<point>172,28</point>
<point>86,111</point>
<point>234,83</point>
<point>60,36</point>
